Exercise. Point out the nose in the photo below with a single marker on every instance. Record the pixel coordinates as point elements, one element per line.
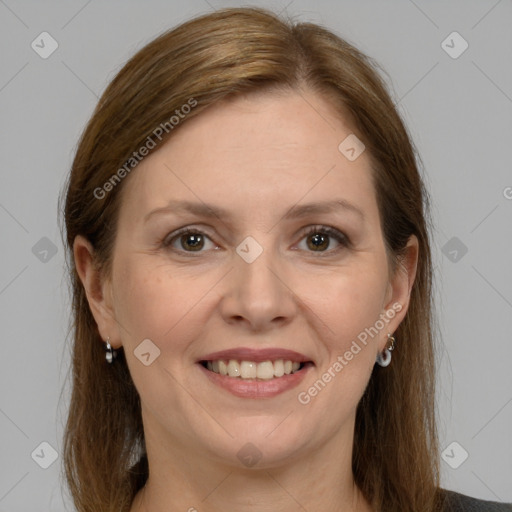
<point>256,295</point>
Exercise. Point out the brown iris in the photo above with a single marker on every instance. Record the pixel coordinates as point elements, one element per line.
<point>319,241</point>
<point>193,241</point>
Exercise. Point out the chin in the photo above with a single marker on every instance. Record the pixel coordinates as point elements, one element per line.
<point>261,443</point>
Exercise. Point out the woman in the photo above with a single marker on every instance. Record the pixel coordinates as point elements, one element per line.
<point>248,247</point>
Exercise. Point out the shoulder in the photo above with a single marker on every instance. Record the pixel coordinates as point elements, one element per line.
<point>456,502</point>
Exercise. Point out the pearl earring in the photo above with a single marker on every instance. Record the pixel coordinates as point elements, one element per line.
<point>111,354</point>
<point>384,357</point>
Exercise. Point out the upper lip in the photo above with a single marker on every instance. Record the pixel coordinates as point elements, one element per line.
<point>256,355</point>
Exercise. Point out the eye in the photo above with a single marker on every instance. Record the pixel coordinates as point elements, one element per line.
<point>318,238</point>
<point>190,240</point>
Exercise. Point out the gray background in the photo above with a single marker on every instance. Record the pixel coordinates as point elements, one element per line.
<point>459,112</point>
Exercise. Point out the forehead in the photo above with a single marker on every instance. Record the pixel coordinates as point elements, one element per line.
<point>254,152</point>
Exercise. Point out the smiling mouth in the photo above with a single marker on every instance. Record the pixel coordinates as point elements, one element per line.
<point>252,370</point>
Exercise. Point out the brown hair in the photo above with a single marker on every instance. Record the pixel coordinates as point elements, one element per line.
<point>212,57</point>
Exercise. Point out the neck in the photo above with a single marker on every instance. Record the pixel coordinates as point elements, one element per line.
<point>286,502</point>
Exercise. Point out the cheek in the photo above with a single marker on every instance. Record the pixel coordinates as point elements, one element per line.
<point>350,307</point>
<point>149,302</point>
<point>156,302</point>
<point>353,303</point>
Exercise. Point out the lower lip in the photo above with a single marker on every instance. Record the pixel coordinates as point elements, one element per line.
<point>256,388</point>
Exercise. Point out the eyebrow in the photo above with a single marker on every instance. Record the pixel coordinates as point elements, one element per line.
<point>297,211</point>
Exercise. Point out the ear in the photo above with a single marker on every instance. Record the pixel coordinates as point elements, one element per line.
<point>399,288</point>
<point>97,289</point>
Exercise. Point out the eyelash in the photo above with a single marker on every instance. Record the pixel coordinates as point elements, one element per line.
<point>340,237</point>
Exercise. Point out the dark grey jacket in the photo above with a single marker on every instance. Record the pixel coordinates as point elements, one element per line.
<point>456,502</point>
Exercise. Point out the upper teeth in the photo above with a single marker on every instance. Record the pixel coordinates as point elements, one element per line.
<point>253,370</point>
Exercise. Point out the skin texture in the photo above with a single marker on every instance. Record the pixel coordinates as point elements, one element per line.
<point>257,156</point>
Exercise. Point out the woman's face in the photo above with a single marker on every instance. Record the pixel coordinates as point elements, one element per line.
<point>258,280</point>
